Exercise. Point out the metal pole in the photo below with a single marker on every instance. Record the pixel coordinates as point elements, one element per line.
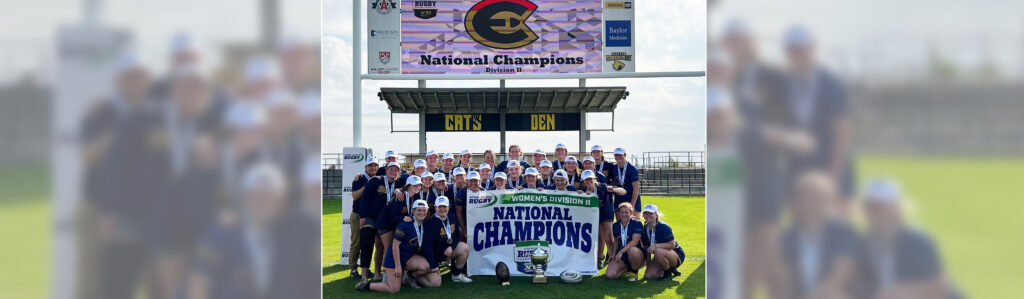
<point>269,24</point>
<point>421,83</point>
<point>583,82</point>
<point>583,131</point>
<point>501,127</point>
<point>423,132</point>
<point>357,86</point>
<point>502,83</point>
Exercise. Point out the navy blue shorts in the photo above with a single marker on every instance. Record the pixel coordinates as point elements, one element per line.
<point>607,213</point>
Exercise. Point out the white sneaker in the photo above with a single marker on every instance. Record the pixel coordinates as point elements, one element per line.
<point>462,278</point>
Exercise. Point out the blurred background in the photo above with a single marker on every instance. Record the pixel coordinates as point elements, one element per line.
<point>871,147</point>
<point>165,149</point>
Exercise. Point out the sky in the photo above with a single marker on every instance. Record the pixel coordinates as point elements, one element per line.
<point>660,114</point>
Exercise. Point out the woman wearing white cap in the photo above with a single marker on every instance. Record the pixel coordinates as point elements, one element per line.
<point>626,176</point>
<point>399,209</point>
<point>427,179</point>
<point>378,192</point>
<point>465,159</point>
<point>448,165</point>
<point>410,258</point>
<point>590,164</point>
<point>514,153</point>
<point>474,191</point>
<point>440,188</point>
<point>628,257</point>
<point>514,171</point>
<point>602,166</point>
<point>432,161</point>
<point>419,167</point>
<point>572,172</point>
<point>546,173</point>
<point>531,181</point>
<point>389,156</point>
<point>560,152</point>
<point>485,176</point>
<point>448,244</point>
<point>605,194</point>
<point>357,192</point>
<point>539,156</point>
<point>661,243</point>
<point>500,181</point>
<point>561,182</point>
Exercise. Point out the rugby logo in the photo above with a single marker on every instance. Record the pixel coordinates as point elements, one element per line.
<point>383,6</point>
<point>424,9</point>
<point>501,24</point>
<point>522,251</point>
<point>385,57</point>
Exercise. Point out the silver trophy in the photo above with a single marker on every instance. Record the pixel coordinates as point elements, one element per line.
<point>539,258</point>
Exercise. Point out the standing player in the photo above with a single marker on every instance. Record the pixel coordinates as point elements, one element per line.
<point>606,195</point>
<point>375,196</point>
<point>572,171</point>
<point>448,165</point>
<point>490,160</point>
<point>465,159</point>
<point>398,210</point>
<point>513,155</point>
<point>500,181</point>
<point>603,167</point>
<point>448,246</point>
<point>546,171</point>
<point>353,219</point>
<point>514,180</point>
<point>539,156</point>
<point>628,257</point>
<point>485,176</point>
<point>562,182</point>
<point>626,176</point>
<point>409,255</point>
<point>432,161</point>
<point>419,167</point>
<point>389,156</point>
<point>560,153</point>
<point>590,164</point>
<point>473,191</point>
<point>441,188</point>
<point>660,243</point>
<point>531,181</point>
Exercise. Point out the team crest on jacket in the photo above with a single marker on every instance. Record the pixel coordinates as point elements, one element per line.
<point>380,189</point>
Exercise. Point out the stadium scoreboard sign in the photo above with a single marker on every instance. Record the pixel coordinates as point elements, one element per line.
<point>499,36</point>
<point>491,122</point>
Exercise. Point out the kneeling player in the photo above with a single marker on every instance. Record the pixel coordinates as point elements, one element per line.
<point>660,243</point>
<point>447,246</point>
<point>628,257</point>
<point>408,260</point>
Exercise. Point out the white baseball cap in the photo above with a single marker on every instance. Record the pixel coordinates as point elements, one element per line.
<point>620,151</point>
<point>431,153</point>
<point>588,174</point>
<point>465,152</point>
<point>531,171</point>
<point>441,201</point>
<point>512,163</point>
<point>650,208</point>
<point>419,203</point>
<point>539,152</point>
<point>589,158</point>
<point>882,191</point>
<point>473,175</point>
<point>545,163</point>
<point>394,164</point>
<point>596,148</point>
<point>561,146</point>
<point>426,174</point>
<point>390,154</point>
<point>459,171</point>
<point>484,166</point>
<point>500,175</point>
<point>570,158</point>
<point>419,163</point>
<point>448,156</point>
<point>413,180</point>
<point>561,174</point>
<point>439,177</point>
<point>371,161</point>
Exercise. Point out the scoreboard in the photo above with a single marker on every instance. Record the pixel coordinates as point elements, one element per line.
<point>491,122</point>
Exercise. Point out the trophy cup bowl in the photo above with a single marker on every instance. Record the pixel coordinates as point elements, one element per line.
<point>539,258</point>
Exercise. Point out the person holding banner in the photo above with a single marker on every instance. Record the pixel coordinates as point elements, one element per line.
<point>408,260</point>
<point>432,161</point>
<point>514,154</point>
<point>626,176</point>
<point>546,173</point>
<point>606,216</point>
<point>531,181</point>
<point>659,241</point>
<point>473,190</point>
<point>353,220</point>
<point>500,181</point>
<point>572,171</point>
<point>628,257</point>
<point>514,180</point>
<point>539,156</point>
<point>602,166</point>
<point>465,157</point>
<point>375,196</point>
<point>590,164</point>
<point>486,180</point>
<point>562,182</point>
<point>398,210</point>
<point>448,246</point>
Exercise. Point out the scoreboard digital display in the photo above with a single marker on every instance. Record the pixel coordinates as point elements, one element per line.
<point>491,122</point>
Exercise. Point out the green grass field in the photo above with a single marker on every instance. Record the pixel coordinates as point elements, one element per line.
<point>25,228</point>
<point>684,214</point>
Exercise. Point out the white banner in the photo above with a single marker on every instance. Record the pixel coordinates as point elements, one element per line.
<point>353,159</point>
<point>383,42</point>
<point>506,226</point>
<point>619,37</point>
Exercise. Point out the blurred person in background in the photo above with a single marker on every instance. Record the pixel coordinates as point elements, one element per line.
<point>309,124</point>
<point>755,88</point>
<point>377,193</point>
<point>819,249</point>
<point>245,143</point>
<point>816,103</point>
<point>299,67</point>
<point>236,256</point>
<point>295,250</point>
<point>183,55</point>
<point>895,259</point>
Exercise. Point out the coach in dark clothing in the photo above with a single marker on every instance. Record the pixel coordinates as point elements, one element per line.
<point>818,250</point>
<point>897,261</point>
<point>376,194</point>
